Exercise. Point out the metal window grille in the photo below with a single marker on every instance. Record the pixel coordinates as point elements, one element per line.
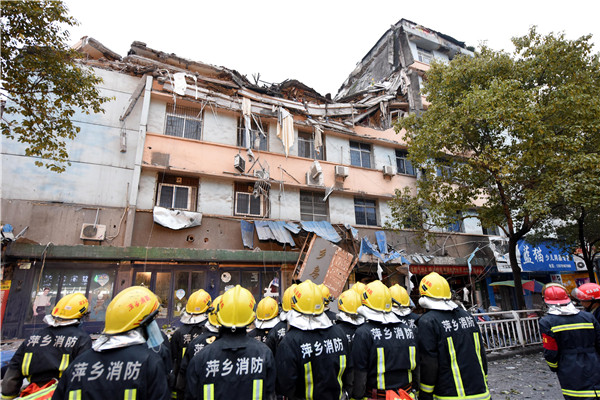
<point>184,122</point>
<point>313,207</point>
<point>258,139</point>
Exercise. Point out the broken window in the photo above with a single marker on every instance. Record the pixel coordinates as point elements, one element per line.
<point>183,122</point>
<point>424,55</point>
<point>257,135</point>
<point>306,146</point>
<point>360,154</point>
<point>249,201</point>
<point>313,207</point>
<point>177,192</point>
<point>457,225</point>
<point>403,163</point>
<point>365,211</point>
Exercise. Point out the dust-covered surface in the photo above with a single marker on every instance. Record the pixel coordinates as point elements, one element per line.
<point>523,376</point>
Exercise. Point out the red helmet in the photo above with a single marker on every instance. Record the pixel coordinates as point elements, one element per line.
<point>554,293</point>
<point>587,292</point>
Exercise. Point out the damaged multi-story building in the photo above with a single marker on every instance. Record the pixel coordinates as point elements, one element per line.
<point>196,177</point>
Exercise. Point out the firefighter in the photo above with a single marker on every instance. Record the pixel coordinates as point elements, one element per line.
<point>401,305</point>
<point>121,363</point>
<point>327,298</point>
<point>235,366</point>
<point>43,356</point>
<point>588,295</point>
<point>452,357</point>
<point>267,312</point>
<point>210,334</point>
<point>384,350</point>
<point>278,331</point>
<point>359,288</point>
<point>313,355</point>
<point>348,320</point>
<point>571,340</point>
<point>193,320</point>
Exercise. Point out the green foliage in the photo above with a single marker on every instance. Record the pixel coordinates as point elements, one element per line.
<point>43,81</point>
<point>517,129</point>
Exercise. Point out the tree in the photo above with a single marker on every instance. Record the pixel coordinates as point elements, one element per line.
<point>43,81</point>
<point>506,134</point>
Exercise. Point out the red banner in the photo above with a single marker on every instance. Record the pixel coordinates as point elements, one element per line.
<point>444,269</point>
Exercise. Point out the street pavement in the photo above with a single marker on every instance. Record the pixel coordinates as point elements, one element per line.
<point>522,376</point>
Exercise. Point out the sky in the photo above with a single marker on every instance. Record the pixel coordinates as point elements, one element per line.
<point>320,42</point>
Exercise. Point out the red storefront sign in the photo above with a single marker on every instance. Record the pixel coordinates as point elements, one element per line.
<point>444,269</point>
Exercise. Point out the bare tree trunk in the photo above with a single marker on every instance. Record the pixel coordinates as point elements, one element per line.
<point>514,265</point>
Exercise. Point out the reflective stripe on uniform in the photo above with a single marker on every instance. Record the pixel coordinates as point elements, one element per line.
<point>412,355</point>
<point>478,351</point>
<point>341,373</point>
<point>460,390</point>
<point>75,395</point>
<point>25,364</point>
<point>209,391</point>
<point>572,327</point>
<point>130,394</point>
<point>64,363</point>
<point>44,394</point>
<point>308,381</point>
<point>553,365</point>
<point>482,396</point>
<point>581,393</point>
<point>380,368</point>
<point>183,352</point>
<point>257,389</point>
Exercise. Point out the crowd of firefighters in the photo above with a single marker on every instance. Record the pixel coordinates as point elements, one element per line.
<point>375,347</point>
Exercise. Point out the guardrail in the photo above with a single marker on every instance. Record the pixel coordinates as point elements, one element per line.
<point>509,329</point>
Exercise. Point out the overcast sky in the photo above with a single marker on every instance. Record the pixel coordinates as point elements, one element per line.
<point>316,42</point>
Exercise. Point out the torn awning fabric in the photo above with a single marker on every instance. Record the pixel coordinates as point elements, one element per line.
<point>366,247</point>
<point>247,233</point>
<point>322,229</point>
<point>274,230</point>
<point>176,219</point>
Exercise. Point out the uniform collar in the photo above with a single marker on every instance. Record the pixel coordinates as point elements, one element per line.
<point>108,342</point>
<point>50,320</point>
<point>379,316</point>
<point>308,322</point>
<point>351,319</point>
<point>437,304</point>
<point>567,309</point>
<point>268,324</point>
<point>401,311</point>
<point>192,319</point>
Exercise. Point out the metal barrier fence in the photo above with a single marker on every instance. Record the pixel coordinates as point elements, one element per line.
<point>509,329</point>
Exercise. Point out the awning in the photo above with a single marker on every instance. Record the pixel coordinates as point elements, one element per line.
<point>267,230</point>
<point>322,229</point>
<point>531,285</point>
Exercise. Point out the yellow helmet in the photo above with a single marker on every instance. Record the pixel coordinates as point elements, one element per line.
<point>359,288</point>
<point>71,306</point>
<point>212,313</point>
<point>131,308</point>
<point>400,295</point>
<point>267,309</point>
<point>435,286</point>
<point>308,299</point>
<point>236,308</point>
<point>377,297</point>
<point>349,301</point>
<point>286,302</point>
<point>198,302</point>
<point>327,297</point>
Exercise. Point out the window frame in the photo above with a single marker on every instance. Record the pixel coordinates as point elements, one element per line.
<point>187,115</point>
<point>407,167</point>
<point>254,131</point>
<point>238,190</point>
<point>310,143</point>
<point>359,147</point>
<point>425,56</point>
<point>313,214</point>
<point>372,205</point>
<point>166,180</point>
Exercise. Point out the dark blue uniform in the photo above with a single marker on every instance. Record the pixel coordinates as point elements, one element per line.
<point>409,319</point>
<point>312,364</point>
<point>200,342</point>
<point>133,372</point>
<point>275,336</point>
<point>44,356</point>
<point>452,357</point>
<point>387,354</point>
<point>180,340</point>
<point>235,366</point>
<point>259,334</point>
<point>572,350</point>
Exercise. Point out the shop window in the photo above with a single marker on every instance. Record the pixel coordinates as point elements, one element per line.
<point>162,290</point>
<point>259,282</point>
<point>403,163</point>
<point>257,135</point>
<point>177,192</point>
<point>186,283</point>
<point>183,122</point>
<point>100,294</point>
<point>313,207</point>
<point>306,146</point>
<point>250,202</point>
<point>360,154</point>
<point>365,212</point>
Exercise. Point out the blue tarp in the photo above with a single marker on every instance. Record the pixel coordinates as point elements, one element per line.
<point>544,257</point>
<point>381,241</point>
<point>366,247</point>
<point>274,230</point>
<point>247,233</point>
<point>322,229</point>
<point>292,227</point>
<point>353,230</point>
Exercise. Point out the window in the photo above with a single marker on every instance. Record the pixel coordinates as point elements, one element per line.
<point>306,146</point>
<point>183,122</point>
<point>177,192</point>
<point>494,231</point>
<point>360,154</point>
<point>458,225</point>
<point>424,55</point>
<point>365,212</point>
<point>257,135</point>
<point>249,202</point>
<point>313,207</point>
<point>403,164</point>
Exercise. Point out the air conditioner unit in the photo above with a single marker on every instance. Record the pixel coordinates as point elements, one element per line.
<point>239,163</point>
<point>388,170</point>
<point>93,232</point>
<point>342,171</point>
<point>314,176</point>
<point>261,174</point>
